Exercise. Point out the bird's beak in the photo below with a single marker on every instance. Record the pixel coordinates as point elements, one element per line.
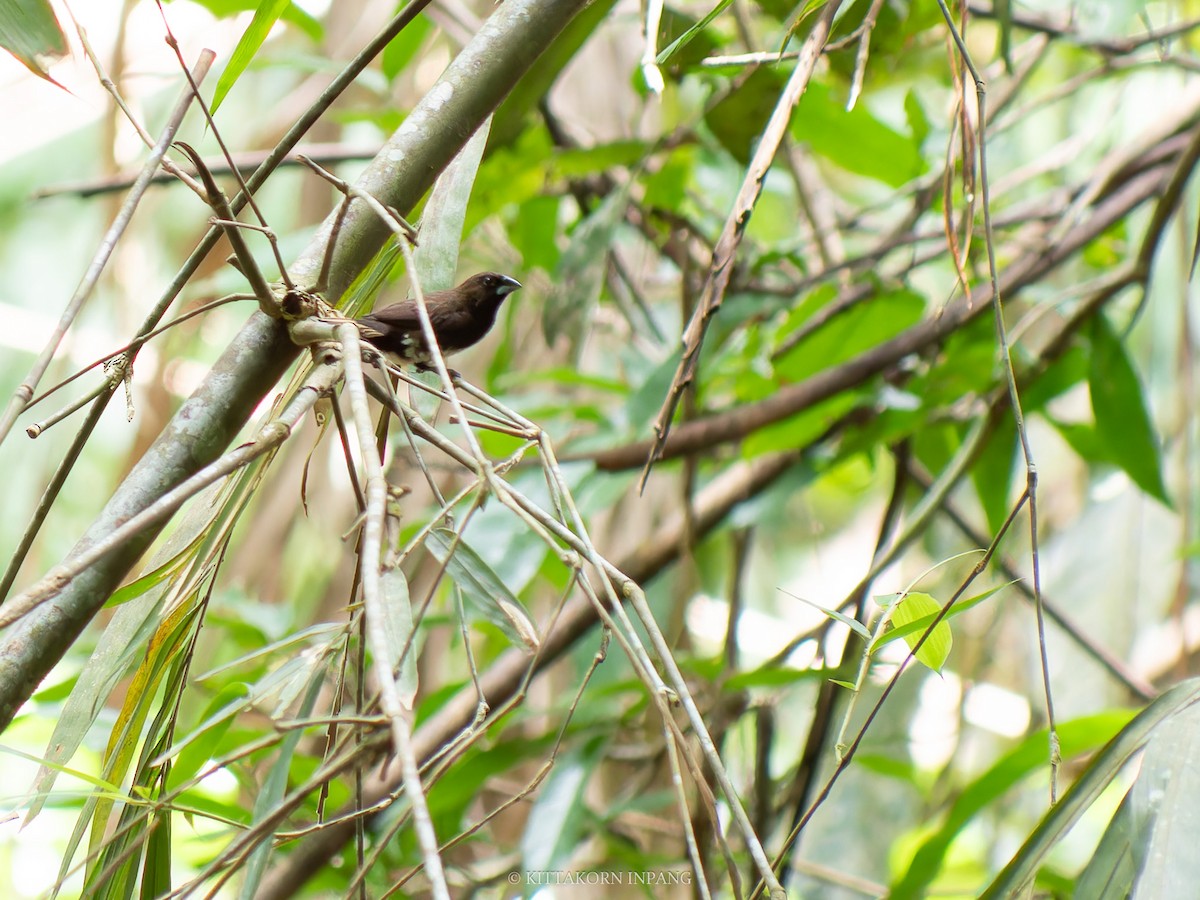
<point>507,286</point>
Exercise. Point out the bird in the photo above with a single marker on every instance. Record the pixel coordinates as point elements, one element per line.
<point>460,317</point>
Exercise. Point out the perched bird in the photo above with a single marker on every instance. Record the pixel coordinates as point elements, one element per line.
<point>460,316</point>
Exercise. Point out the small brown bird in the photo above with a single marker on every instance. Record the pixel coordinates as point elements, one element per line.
<point>460,316</point>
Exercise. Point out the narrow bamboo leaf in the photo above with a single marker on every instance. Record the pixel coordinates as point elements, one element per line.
<point>1102,772</point>
<point>773,676</point>
<point>398,629</point>
<point>401,50</point>
<point>1003,10</point>
<point>559,815</point>
<point>275,786</point>
<point>199,745</point>
<point>853,624</point>
<point>1077,737</point>
<point>252,39</point>
<point>99,783</point>
<point>1109,873</point>
<point>450,798</point>
<point>272,649</point>
<point>125,639</point>
<point>171,637</point>
<point>992,474</point>
<point>171,568</point>
<point>486,596</point>
<point>293,14</point>
<point>436,256</point>
<point>580,272</point>
<point>30,31</point>
<point>1165,807</point>
<point>1119,407</point>
<point>156,869</point>
<point>684,39</point>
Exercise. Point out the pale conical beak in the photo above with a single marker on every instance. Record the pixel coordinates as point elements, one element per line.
<point>507,286</point>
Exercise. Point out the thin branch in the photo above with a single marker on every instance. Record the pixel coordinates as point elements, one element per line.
<point>269,437</point>
<point>790,399</point>
<point>721,267</point>
<point>104,253</point>
<point>371,553</point>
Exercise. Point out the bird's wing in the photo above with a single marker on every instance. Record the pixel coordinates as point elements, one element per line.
<point>401,316</point>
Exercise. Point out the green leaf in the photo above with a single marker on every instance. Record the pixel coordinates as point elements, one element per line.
<point>1119,407</point>
<point>686,38</point>
<point>1165,807</point>
<point>772,676</point>
<point>510,175</point>
<point>801,429</point>
<point>1003,10</point>
<point>531,90</point>
<point>198,747</point>
<point>576,163</point>
<point>667,188</point>
<point>533,232</point>
<point>918,625</point>
<point>30,31</point>
<point>486,597</point>
<point>918,123</point>
<point>156,869</point>
<point>171,568</point>
<point>853,624</point>
<point>1029,757</point>
<point>559,816</point>
<point>436,256</point>
<point>275,786</point>
<point>992,474</point>
<point>1063,374</point>
<point>934,650</point>
<point>252,39</point>
<point>398,631</point>
<point>580,273</point>
<point>737,120</point>
<point>856,140</point>
<point>401,49</point>
<point>1110,872</point>
<point>1084,440</point>
<point>846,335</point>
<point>1102,773</point>
<point>450,798</point>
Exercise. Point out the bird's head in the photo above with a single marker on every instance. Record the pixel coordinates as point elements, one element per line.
<point>488,289</point>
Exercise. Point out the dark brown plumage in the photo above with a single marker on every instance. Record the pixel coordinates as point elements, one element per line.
<point>460,316</point>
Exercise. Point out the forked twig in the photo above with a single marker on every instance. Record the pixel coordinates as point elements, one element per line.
<point>108,243</point>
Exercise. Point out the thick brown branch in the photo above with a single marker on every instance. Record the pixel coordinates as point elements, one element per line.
<point>736,424</point>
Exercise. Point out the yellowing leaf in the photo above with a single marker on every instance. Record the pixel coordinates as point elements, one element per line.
<point>935,649</point>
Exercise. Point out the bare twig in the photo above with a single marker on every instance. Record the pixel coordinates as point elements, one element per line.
<point>104,253</point>
<point>721,266</point>
<point>269,437</point>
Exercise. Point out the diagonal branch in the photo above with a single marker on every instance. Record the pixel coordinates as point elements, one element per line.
<point>721,267</point>
<point>508,674</point>
<point>25,390</point>
<point>741,421</point>
<point>506,47</point>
